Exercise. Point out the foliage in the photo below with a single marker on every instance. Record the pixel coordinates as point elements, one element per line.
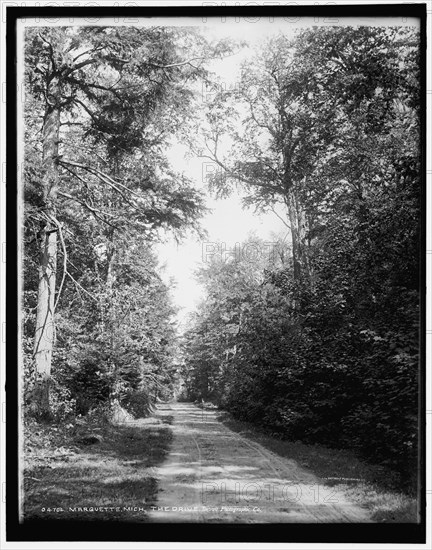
<point>121,94</point>
<point>138,404</point>
<point>326,351</point>
<point>318,342</point>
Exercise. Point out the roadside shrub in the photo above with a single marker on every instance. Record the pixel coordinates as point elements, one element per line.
<point>62,404</point>
<point>90,387</point>
<point>137,403</point>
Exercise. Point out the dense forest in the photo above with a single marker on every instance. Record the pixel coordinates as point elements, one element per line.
<point>317,338</point>
<point>321,344</point>
<point>101,107</point>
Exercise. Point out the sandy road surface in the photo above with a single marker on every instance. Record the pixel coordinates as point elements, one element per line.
<point>213,474</point>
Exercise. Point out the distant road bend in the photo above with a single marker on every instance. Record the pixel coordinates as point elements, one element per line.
<point>213,474</point>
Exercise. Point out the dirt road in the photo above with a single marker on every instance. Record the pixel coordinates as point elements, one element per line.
<point>213,474</point>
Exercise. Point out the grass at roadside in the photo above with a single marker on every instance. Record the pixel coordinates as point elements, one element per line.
<point>369,485</point>
<point>63,475</point>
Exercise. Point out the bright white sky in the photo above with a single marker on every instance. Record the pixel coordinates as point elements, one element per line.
<point>228,223</point>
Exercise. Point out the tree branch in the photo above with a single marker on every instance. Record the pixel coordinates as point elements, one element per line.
<point>88,51</point>
<point>79,66</point>
<point>261,124</point>
<point>103,177</point>
<point>96,86</point>
<point>51,51</point>
<point>81,287</point>
<point>94,211</point>
<point>234,175</point>
<point>280,217</point>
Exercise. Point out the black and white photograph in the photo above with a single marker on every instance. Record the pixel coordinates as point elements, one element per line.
<point>220,262</point>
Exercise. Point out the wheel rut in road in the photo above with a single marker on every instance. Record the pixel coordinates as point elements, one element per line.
<point>215,475</point>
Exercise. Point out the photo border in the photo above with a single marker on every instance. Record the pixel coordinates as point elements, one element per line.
<point>207,532</point>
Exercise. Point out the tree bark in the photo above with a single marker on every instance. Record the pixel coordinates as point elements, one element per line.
<point>110,312</point>
<point>292,215</point>
<point>45,330</point>
<point>298,224</point>
<point>296,215</point>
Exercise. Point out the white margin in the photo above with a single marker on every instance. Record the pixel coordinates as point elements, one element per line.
<point>188,545</point>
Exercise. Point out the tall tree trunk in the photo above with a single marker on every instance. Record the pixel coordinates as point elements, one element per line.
<point>44,332</point>
<point>298,225</point>
<point>303,245</point>
<point>293,218</point>
<point>297,217</point>
<point>110,311</point>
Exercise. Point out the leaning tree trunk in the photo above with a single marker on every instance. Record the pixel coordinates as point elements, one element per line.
<point>44,332</point>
